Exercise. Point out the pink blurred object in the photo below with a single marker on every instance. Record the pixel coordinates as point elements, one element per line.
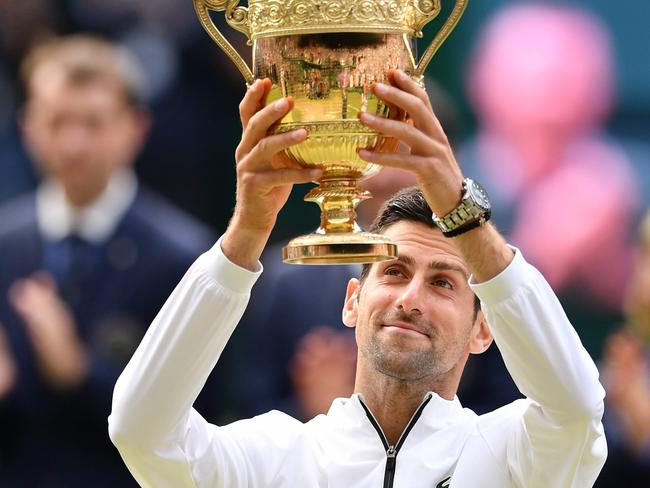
<point>542,84</point>
<point>540,67</point>
<point>574,224</point>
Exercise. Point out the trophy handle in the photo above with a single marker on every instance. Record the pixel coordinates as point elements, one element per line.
<point>441,36</point>
<point>237,17</point>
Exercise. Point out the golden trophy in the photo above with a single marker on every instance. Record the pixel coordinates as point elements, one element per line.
<point>326,54</point>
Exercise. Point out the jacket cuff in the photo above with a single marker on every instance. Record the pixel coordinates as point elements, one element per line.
<point>505,284</point>
<point>227,273</point>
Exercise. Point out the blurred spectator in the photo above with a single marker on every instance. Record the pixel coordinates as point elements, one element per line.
<point>87,260</point>
<point>542,85</point>
<point>188,79</point>
<point>626,376</point>
<point>189,153</point>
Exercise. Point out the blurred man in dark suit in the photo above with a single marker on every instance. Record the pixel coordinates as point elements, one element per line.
<point>85,263</point>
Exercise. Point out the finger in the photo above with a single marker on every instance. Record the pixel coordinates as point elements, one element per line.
<point>45,280</point>
<point>394,112</point>
<point>408,162</point>
<point>417,108</point>
<point>417,140</point>
<point>282,161</point>
<point>254,100</point>
<point>31,300</point>
<point>314,342</point>
<point>17,294</point>
<point>280,177</point>
<point>262,153</point>
<point>259,124</point>
<point>404,82</point>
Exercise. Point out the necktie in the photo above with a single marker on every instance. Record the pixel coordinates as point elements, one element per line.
<point>79,265</point>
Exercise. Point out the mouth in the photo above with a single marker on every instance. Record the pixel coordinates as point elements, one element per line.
<point>405,328</point>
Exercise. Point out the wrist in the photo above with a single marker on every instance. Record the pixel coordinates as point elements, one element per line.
<point>472,211</point>
<point>244,243</point>
<point>485,251</point>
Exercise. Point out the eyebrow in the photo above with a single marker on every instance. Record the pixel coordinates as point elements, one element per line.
<point>437,265</point>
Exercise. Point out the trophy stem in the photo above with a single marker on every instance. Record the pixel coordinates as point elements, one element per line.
<point>337,199</point>
<point>338,240</point>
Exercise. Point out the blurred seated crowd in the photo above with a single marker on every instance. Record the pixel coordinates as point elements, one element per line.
<point>89,252</point>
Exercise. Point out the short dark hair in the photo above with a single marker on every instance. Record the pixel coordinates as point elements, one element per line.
<point>408,204</point>
<point>84,59</point>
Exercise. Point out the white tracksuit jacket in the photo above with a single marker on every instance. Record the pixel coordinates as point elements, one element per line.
<point>552,439</point>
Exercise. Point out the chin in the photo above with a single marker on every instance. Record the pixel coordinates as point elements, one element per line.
<point>406,366</point>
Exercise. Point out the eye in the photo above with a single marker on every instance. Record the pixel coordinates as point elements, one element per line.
<point>443,283</point>
<point>393,271</point>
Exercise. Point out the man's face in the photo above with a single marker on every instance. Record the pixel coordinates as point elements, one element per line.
<point>80,133</point>
<point>414,316</point>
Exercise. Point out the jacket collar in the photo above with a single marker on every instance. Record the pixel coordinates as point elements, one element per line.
<point>437,414</point>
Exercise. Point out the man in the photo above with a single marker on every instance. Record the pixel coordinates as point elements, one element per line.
<point>312,359</point>
<point>87,260</point>
<point>416,322</point>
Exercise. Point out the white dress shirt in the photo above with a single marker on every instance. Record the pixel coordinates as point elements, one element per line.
<point>96,222</point>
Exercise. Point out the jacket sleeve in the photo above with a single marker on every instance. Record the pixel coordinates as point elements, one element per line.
<point>161,438</point>
<point>556,436</point>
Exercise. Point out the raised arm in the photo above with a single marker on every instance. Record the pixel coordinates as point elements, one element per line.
<point>557,434</point>
<point>161,438</point>
<point>264,177</point>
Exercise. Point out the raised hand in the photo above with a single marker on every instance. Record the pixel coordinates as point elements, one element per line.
<point>62,357</point>
<point>264,176</point>
<point>323,369</point>
<point>432,161</point>
<point>626,376</point>
<point>431,158</point>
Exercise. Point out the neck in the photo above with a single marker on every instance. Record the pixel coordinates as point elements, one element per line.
<point>393,401</point>
<point>81,197</point>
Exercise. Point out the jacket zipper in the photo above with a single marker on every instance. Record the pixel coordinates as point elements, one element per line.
<point>391,451</point>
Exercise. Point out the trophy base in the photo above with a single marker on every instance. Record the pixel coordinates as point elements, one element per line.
<point>339,248</point>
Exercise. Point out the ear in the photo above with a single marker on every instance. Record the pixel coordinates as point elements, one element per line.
<point>481,336</point>
<point>350,308</point>
<point>142,122</point>
<point>24,119</point>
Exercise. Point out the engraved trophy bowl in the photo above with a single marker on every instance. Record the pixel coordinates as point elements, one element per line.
<point>326,54</point>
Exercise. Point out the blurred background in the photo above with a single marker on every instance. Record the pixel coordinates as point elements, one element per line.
<point>547,104</point>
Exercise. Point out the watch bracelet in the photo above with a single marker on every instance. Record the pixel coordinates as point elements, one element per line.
<point>469,226</point>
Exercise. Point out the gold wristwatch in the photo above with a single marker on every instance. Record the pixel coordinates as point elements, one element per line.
<point>473,211</point>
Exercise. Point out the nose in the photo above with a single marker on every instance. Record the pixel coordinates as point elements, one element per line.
<point>73,140</point>
<point>411,297</point>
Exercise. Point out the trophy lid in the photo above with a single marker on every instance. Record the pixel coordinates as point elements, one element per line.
<point>270,18</point>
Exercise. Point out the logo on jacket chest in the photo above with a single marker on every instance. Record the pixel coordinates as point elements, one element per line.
<point>444,483</point>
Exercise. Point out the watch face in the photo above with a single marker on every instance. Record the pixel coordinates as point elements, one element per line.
<point>479,195</point>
